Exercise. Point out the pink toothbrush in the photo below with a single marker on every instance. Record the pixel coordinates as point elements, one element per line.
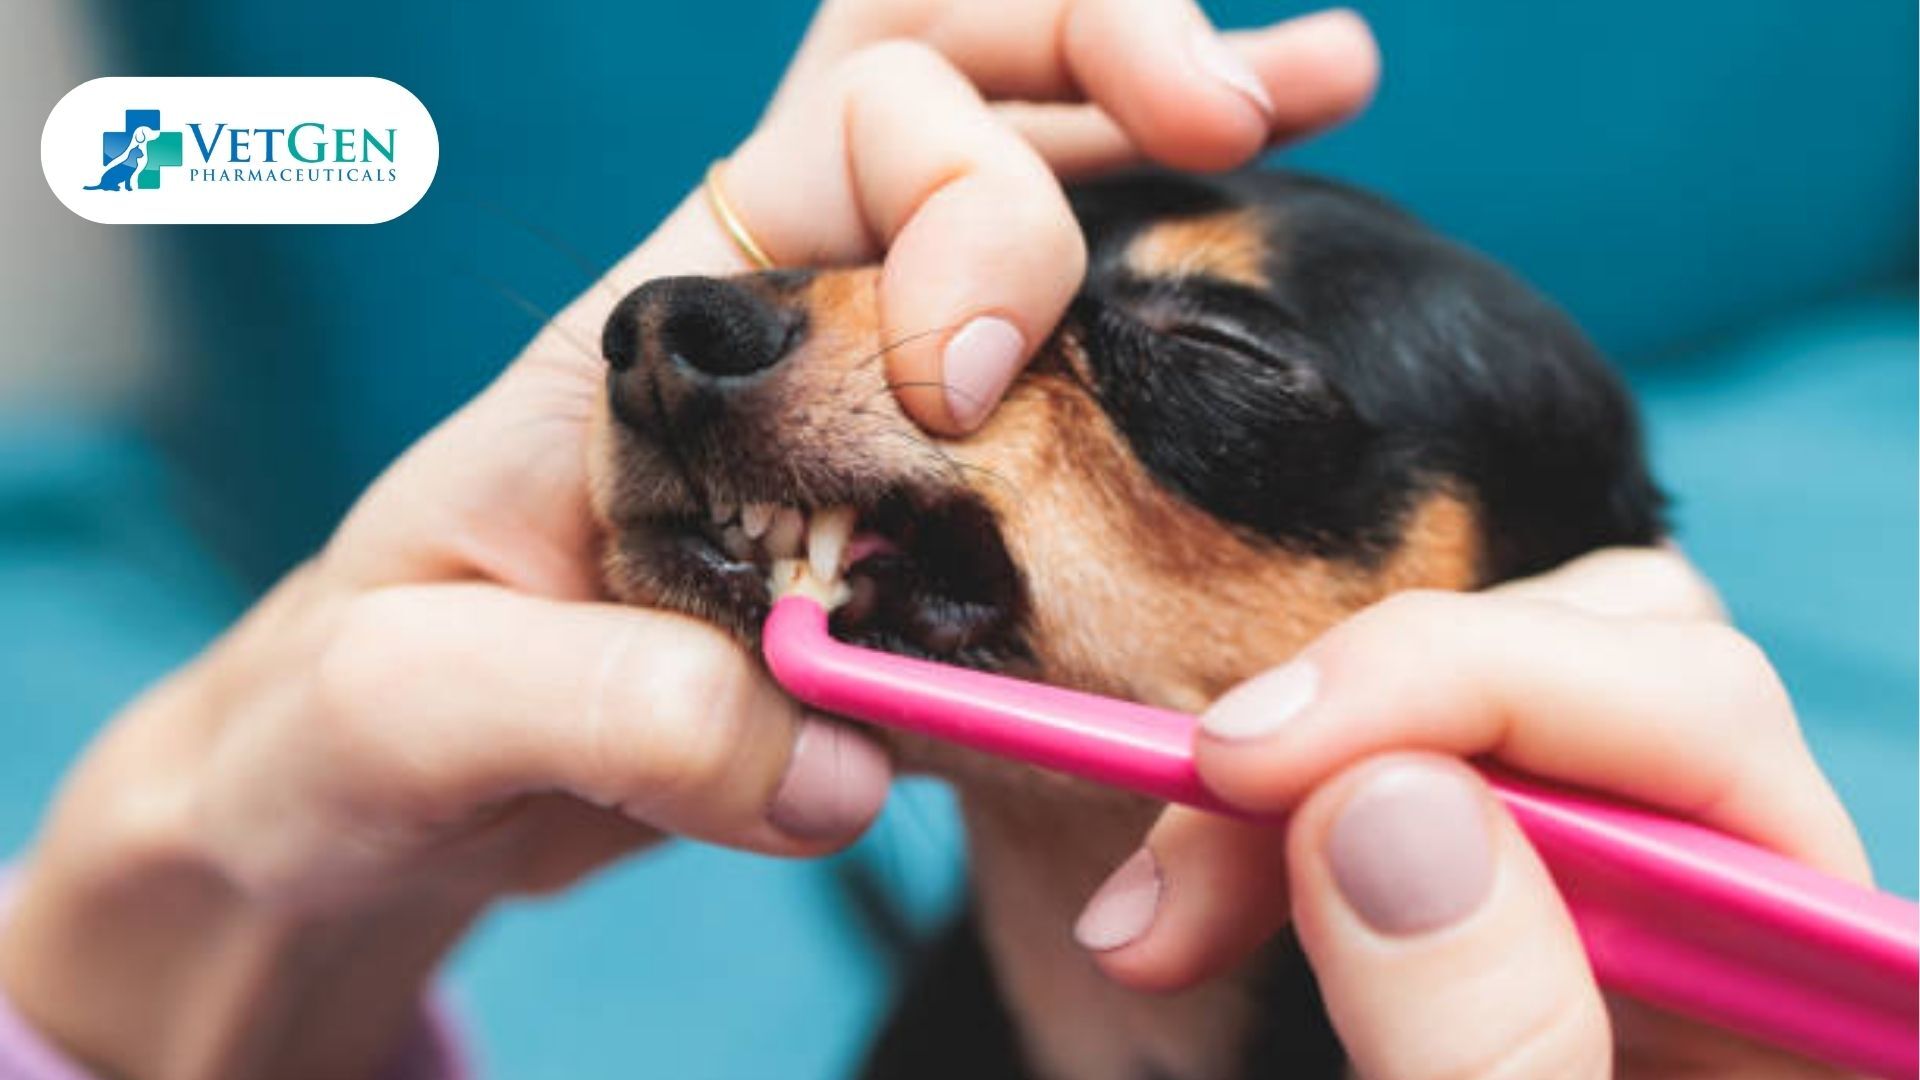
<point>1672,913</point>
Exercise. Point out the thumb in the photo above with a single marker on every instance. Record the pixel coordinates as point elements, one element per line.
<point>482,693</point>
<point>1441,947</point>
<point>431,706</point>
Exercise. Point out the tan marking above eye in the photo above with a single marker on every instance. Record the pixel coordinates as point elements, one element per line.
<point>1231,245</point>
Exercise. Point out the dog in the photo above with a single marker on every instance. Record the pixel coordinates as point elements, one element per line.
<point>1275,401</point>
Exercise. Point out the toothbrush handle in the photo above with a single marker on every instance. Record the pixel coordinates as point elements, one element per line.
<point>1696,922</point>
<point>1677,915</point>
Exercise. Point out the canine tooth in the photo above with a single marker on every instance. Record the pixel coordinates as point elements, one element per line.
<point>791,576</point>
<point>827,536</point>
<point>784,576</point>
<point>755,517</point>
<point>784,535</point>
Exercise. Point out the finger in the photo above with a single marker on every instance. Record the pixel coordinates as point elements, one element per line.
<point>1319,69</point>
<point>982,252</point>
<point>438,700</point>
<point>1647,583</point>
<point>980,238</point>
<point>1438,940</point>
<point>1181,92</point>
<point>1682,715</point>
<point>1201,895</point>
<point>1076,141</point>
<point>1169,82</point>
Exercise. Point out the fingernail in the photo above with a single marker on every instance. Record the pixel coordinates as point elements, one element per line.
<point>1410,851</point>
<point>1336,25</point>
<point>1264,704</point>
<point>1124,907</point>
<point>1218,59</point>
<point>979,363</point>
<point>836,782</point>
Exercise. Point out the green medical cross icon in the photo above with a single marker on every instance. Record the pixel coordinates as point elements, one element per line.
<point>162,149</point>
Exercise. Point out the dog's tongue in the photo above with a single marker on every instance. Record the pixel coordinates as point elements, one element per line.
<point>865,544</point>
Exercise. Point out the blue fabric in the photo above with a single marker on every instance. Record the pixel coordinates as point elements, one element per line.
<point>101,592</point>
<point>703,964</point>
<point>1792,456</point>
<point>1790,449</point>
<point>1669,172</point>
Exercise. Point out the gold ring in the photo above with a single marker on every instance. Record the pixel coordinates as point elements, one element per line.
<point>730,221</point>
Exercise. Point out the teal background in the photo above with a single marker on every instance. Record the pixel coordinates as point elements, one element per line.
<point>1722,193</point>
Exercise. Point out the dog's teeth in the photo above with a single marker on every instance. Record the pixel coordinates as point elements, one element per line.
<point>755,517</point>
<point>720,512</point>
<point>787,576</point>
<point>827,536</point>
<point>784,535</point>
<point>735,544</point>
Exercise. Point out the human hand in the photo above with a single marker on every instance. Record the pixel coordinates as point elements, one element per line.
<point>1440,944</point>
<point>936,134</point>
<point>255,869</point>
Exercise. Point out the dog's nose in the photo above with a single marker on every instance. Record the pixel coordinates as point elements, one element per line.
<point>698,329</point>
<point>683,353</point>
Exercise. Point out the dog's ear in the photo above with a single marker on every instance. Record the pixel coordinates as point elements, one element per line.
<point>1243,419</point>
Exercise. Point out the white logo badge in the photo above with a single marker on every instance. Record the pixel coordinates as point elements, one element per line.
<point>239,151</point>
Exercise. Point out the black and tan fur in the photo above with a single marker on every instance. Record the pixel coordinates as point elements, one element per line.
<point>1275,401</point>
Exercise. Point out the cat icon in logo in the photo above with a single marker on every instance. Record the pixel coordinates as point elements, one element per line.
<point>123,170</point>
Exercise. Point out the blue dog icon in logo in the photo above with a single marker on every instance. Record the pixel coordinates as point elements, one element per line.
<point>135,156</point>
<point>122,170</point>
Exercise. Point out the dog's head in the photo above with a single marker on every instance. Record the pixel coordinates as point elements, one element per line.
<point>1274,401</point>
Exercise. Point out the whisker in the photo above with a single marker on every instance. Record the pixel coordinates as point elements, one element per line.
<point>939,384</point>
<point>904,339</point>
<point>878,354</point>
<point>924,446</point>
<point>915,438</point>
<point>950,463</point>
<point>595,276</point>
<point>539,314</point>
<point>982,470</point>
